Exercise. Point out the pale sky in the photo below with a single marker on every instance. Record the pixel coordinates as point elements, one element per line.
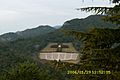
<point>17,15</point>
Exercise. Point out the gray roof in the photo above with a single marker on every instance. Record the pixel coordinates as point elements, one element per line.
<point>62,47</point>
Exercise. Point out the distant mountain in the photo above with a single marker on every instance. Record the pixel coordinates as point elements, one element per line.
<point>41,30</point>
<point>9,37</point>
<point>58,26</point>
<point>93,21</point>
<point>24,45</point>
<point>29,33</point>
<point>51,32</point>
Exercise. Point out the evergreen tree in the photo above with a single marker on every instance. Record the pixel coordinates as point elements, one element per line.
<point>26,71</point>
<point>101,49</point>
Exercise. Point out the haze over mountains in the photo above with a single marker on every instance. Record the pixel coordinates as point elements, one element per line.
<point>75,24</point>
<point>25,45</point>
<point>93,21</point>
<point>38,31</point>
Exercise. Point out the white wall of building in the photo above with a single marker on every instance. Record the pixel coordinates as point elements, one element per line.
<point>59,56</point>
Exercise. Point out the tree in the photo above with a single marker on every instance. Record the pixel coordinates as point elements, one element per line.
<point>26,71</point>
<point>112,13</point>
<point>101,46</point>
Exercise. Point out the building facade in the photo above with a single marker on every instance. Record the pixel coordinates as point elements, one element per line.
<point>60,51</point>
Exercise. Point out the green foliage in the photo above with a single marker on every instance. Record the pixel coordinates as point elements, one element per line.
<point>99,52</point>
<point>101,48</point>
<point>115,1</point>
<point>19,50</point>
<point>26,71</point>
<point>113,13</point>
<point>26,34</point>
<point>92,21</point>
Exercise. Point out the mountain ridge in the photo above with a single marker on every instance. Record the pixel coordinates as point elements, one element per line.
<point>28,33</point>
<point>84,24</point>
<point>15,50</point>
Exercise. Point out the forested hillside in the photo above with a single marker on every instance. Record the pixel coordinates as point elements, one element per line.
<point>24,46</point>
<point>28,33</point>
<point>85,24</point>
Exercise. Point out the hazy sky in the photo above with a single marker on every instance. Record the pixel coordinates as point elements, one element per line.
<point>17,15</point>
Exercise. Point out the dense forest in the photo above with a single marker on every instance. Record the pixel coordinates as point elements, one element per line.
<point>97,41</point>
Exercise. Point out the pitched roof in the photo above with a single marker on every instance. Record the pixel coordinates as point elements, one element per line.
<point>59,47</point>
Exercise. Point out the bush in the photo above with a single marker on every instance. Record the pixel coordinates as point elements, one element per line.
<point>26,71</point>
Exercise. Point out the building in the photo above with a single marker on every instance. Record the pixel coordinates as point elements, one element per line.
<point>60,51</point>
